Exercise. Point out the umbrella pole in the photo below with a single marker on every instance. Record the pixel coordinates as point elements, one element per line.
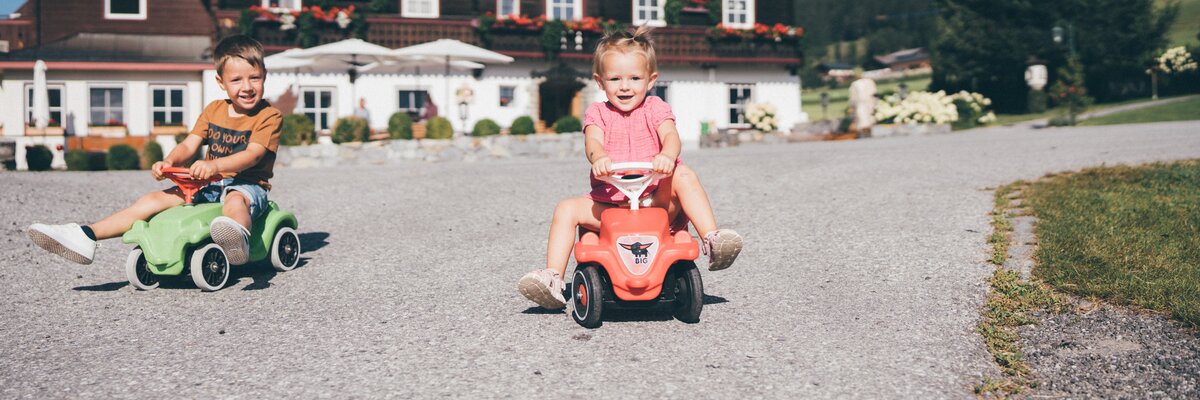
<point>446,104</point>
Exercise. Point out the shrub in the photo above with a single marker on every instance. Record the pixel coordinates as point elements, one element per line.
<point>1061,120</point>
<point>122,157</point>
<point>77,160</point>
<point>485,127</point>
<point>523,125</point>
<point>439,128</point>
<point>152,152</point>
<point>567,124</point>
<point>38,157</point>
<point>350,129</point>
<point>297,130</point>
<point>180,137</point>
<point>400,126</point>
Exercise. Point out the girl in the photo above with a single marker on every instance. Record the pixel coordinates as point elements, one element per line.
<point>629,127</point>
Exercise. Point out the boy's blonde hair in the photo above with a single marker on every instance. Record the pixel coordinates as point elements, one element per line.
<point>239,46</point>
<point>623,41</point>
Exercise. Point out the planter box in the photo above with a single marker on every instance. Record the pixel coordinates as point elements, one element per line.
<point>108,131</point>
<point>49,131</point>
<point>168,130</point>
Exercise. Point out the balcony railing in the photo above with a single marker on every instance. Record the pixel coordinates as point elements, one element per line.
<point>673,44</point>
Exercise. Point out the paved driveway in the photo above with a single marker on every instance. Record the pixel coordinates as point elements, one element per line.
<point>863,271</point>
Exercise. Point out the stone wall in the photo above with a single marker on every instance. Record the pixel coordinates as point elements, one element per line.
<point>560,146</point>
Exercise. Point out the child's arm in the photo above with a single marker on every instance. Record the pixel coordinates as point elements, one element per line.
<point>593,145</point>
<point>664,162</point>
<point>232,163</point>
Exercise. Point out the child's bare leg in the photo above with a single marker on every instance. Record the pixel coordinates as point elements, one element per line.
<point>569,215</point>
<point>686,193</point>
<point>145,207</point>
<point>237,207</point>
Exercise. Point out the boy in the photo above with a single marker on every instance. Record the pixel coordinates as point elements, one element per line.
<point>242,134</point>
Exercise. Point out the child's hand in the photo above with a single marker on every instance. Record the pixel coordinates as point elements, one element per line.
<point>664,164</point>
<point>602,166</point>
<point>156,169</point>
<point>203,169</point>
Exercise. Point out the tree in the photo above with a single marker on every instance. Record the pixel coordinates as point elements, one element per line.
<point>982,45</point>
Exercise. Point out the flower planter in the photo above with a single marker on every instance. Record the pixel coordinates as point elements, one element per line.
<point>108,131</point>
<point>48,131</point>
<point>168,130</point>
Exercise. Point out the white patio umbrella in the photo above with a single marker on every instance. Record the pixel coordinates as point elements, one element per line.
<point>41,96</point>
<point>349,54</point>
<point>452,50</point>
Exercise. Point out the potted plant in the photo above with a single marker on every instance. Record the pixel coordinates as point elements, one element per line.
<point>110,128</point>
<point>168,129</point>
<point>53,128</point>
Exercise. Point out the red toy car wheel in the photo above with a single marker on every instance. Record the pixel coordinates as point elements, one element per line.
<point>587,298</point>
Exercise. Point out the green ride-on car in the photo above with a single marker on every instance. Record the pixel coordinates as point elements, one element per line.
<point>177,241</point>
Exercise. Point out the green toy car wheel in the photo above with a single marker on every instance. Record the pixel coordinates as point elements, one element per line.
<point>285,250</point>
<point>209,267</point>
<point>138,271</point>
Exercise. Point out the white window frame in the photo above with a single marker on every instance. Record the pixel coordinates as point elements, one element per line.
<point>62,100</point>
<point>738,120</point>
<point>512,99</point>
<point>328,113</point>
<point>406,9</point>
<point>727,13</point>
<point>416,91</point>
<point>108,14</point>
<point>167,107</point>
<point>284,5</point>
<point>656,6</point>
<point>516,8</point>
<point>577,5</point>
<point>124,104</point>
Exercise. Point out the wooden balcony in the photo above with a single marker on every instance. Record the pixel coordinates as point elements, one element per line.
<point>673,44</point>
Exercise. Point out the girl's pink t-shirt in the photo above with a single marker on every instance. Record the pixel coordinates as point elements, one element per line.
<point>629,137</point>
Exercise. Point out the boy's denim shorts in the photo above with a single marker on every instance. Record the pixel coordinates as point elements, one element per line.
<point>215,193</point>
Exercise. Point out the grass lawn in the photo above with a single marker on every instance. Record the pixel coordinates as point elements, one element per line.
<point>1179,111</point>
<point>1186,25</point>
<point>1130,235</point>
<point>840,97</point>
<point>1008,119</point>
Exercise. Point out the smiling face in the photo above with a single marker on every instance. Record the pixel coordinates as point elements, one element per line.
<point>243,83</point>
<point>625,77</point>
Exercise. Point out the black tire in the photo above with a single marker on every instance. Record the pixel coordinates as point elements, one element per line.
<point>689,292</point>
<point>138,272</point>
<point>587,296</point>
<point>209,267</point>
<point>285,250</point>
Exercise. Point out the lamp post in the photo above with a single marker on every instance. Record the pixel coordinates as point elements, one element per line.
<point>1058,36</point>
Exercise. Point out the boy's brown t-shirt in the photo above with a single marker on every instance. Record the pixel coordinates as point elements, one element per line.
<point>227,135</point>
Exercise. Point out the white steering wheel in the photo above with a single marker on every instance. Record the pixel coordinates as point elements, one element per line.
<point>632,179</point>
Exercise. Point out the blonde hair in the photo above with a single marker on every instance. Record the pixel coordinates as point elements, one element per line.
<point>623,41</point>
<point>239,46</point>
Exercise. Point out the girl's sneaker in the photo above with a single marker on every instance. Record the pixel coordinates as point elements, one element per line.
<point>67,240</point>
<point>722,247</point>
<point>232,237</point>
<point>544,287</point>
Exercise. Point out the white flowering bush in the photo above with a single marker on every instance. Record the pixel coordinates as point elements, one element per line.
<point>1176,60</point>
<point>761,116</point>
<point>963,109</point>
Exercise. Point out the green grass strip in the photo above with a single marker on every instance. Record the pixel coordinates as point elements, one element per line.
<point>1178,111</point>
<point>1129,235</point>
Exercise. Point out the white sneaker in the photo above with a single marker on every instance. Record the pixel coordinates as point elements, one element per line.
<point>543,287</point>
<point>67,240</point>
<point>232,237</point>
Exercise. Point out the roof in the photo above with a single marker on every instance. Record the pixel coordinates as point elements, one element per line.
<point>110,47</point>
<point>906,55</point>
<point>832,66</point>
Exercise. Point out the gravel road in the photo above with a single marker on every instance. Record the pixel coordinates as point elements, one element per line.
<point>862,275</point>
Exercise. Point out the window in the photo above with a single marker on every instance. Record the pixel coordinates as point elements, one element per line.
<point>419,8</point>
<point>505,8</point>
<point>660,90</point>
<point>649,12</point>
<point>106,107</point>
<point>56,100</point>
<point>317,105</point>
<point>739,95</point>
<point>506,95</point>
<point>738,13</point>
<point>564,10</point>
<point>166,107</point>
<point>282,5</point>
<point>412,102</point>
<point>125,9</point>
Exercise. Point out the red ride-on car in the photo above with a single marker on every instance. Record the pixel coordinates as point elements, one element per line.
<point>637,260</point>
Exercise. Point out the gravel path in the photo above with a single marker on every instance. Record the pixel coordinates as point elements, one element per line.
<point>862,276</point>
